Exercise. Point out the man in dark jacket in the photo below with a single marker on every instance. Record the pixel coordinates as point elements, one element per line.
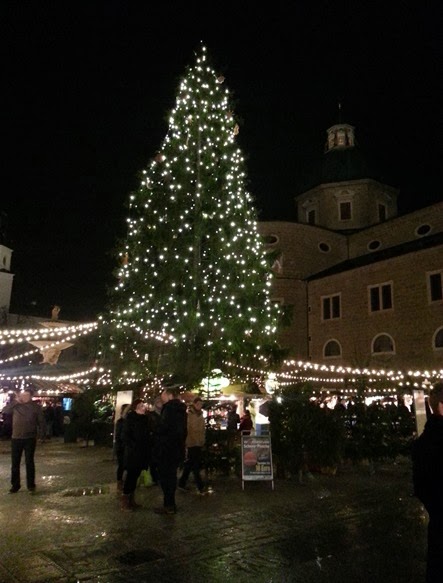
<point>171,438</point>
<point>427,473</point>
<point>27,419</point>
<point>119,446</point>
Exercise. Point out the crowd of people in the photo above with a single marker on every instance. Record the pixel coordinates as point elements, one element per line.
<point>160,440</point>
<point>171,435</point>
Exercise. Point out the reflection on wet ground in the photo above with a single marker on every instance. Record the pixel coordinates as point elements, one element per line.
<point>351,527</point>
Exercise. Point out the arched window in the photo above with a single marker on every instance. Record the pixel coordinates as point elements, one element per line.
<point>383,343</point>
<point>438,339</point>
<point>331,348</point>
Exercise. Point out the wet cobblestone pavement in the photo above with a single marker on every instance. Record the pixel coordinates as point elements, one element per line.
<point>349,528</point>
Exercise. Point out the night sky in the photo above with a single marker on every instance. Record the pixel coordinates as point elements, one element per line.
<point>87,88</point>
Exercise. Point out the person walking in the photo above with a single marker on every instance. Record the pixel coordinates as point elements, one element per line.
<point>171,440</point>
<point>195,441</point>
<point>27,421</point>
<point>137,439</point>
<point>427,473</point>
<point>119,446</point>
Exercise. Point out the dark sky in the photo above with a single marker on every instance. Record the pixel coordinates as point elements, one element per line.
<point>87,87</point>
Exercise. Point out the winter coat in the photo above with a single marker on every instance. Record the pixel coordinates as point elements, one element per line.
<point>246,423</point>
<point>171,434</point>
<point>427,465</point>
<point>196,428</point>
<point>233,421</point>
<point>119,443</point>
<point>137,438</point>
<point>27,418</point>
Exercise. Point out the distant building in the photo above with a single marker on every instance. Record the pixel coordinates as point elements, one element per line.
<point>6,278</point>
<point>364,284</point>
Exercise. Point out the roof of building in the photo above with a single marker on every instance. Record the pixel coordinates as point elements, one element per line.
<point>343,159</point>
<point>382,255</point>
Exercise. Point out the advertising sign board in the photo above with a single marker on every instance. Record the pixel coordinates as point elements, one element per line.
<point>256,455</point>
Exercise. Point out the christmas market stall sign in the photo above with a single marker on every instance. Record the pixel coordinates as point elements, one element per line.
<point>256,456</point>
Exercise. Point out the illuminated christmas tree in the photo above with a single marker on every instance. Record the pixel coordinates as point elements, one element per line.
<point>193,272</point>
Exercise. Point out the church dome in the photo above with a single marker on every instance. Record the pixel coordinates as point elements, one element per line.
<point>342,160</point>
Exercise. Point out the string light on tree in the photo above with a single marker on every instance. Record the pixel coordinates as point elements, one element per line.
<point>193,267</point>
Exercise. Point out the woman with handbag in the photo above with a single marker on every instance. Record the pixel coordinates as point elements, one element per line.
<point>137,438</point>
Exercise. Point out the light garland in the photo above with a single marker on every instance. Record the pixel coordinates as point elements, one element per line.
<point>411,378</point>
<point>13,336</point>
<point>67,339</point>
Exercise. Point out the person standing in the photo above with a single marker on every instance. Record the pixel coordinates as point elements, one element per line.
<point>137,439</point>
<point>119,446</point>
<point>171,440</point>
<point>233,422</point>
<point>195,441</point>
<point>48,412</point>
<point>27,421</point>
<point>155,415</point>
<point>246,424</point>
<point>427,474</point>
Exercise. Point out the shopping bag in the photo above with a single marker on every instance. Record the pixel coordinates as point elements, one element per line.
<point>145,479</point>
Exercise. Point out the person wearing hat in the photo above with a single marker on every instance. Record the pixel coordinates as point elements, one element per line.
<point>195,441</point>
<point>427,474</point>
<point>27,421</point>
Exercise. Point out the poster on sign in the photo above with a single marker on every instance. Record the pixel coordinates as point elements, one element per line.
<point>256,455</point>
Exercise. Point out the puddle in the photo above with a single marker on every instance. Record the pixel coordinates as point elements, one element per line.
<point>88,491</point>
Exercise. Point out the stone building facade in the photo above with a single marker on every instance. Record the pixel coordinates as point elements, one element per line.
<point>364,285</point>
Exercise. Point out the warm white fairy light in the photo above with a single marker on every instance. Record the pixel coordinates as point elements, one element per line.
<point>192,231</point>
<point>77,376</point>
<point>13,336</point>
<point>69,334</point>
<point>299,372</point>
